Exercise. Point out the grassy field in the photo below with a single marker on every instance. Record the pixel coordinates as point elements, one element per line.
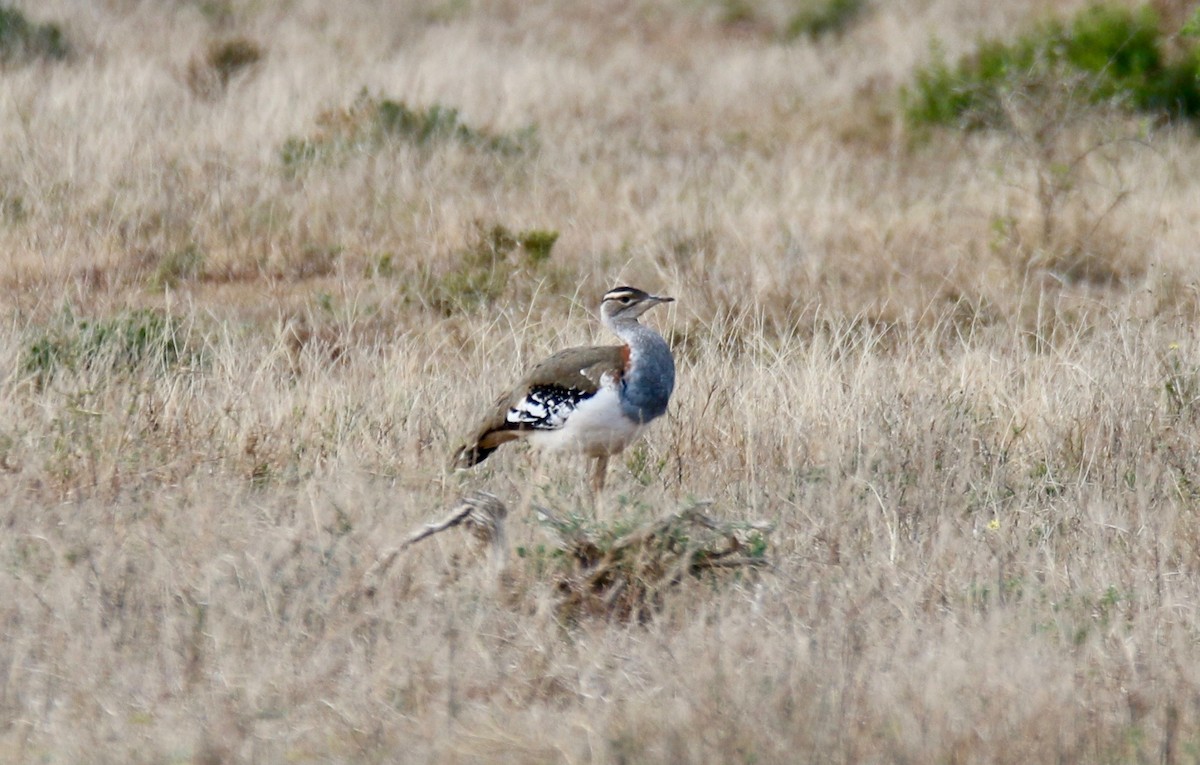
<point>262,262</point>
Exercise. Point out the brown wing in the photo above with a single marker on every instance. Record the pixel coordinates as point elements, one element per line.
<point>579,368</point>
<point>577,371</point>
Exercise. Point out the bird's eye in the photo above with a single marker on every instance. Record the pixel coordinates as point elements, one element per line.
<point>625,299</point>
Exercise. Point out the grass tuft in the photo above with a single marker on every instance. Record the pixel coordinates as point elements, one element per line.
<point>178,265</point>
<point>481,272</point>
<point>815,18</point>
<point>123,344</point>
<point>23,41</point>
<point>209,75</point>
<point>371,123</point>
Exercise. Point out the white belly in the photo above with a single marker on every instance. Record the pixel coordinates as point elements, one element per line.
<point>596,427</point>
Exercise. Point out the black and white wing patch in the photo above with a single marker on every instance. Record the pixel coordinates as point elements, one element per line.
<point>545,407</point>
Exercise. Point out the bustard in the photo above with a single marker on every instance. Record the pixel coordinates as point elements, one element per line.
<point>595,400</point>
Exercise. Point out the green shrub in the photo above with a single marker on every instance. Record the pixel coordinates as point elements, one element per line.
<point>821,17</point>
<point>1191,27</point>
<point>296,152</point>
<point>396,119</point>
<point>791,20</point>
<point>210,74</point>
<point>219,13</point>
<point>370,123</point>
<point>12,208</point>
<point>22,40</point>
<point>734,12</point>
<point>537,244</point>
<point>1106,54</point>
<point>178,265</point>
<point>131,341</point>
<point>481,271</point>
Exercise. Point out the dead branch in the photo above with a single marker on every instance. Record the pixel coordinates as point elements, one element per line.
<point>481,513</point>
<point>628,574</point>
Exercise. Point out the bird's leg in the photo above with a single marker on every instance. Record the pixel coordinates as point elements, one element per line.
<point>598,472</point>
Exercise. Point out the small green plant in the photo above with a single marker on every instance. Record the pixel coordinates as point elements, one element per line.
<point>22,41</point>
<point>816,18</point>
<point>537,244</point>
<point>639,463</point>
<point>1191,27</point>
<point>217,12</point>
<point>1104,55</point>
<point>371,122</point>
<point>792,20</point>
<point>296,152</point>
<point>127,342</point>
<point>178,265</point>
<point>420,126</point>
<point>1181,383</point>
<point>382,264</point>
<point>542,559</point>
<point>734,12</point>
<point>210,74</point>
<point>481,271</point>
<point>12,208</point>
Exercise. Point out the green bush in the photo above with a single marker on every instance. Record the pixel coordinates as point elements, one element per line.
<point>420,126</point>
<point>178,265</point>
<point>22,40</point>
<point>481,271</point>
<point>1105,55</point>
<point>537,244</point>
<point>12,208</point>
<point>370,123</point>
<point>131,341</point>
<point>1191,27</point>
<point>821,17</point>
<point>210,74</point>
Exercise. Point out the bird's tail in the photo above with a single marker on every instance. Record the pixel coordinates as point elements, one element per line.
<point>481,447</point>
<point>470,455</point>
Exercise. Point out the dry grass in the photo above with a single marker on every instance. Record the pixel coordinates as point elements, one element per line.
<point>962,385</point>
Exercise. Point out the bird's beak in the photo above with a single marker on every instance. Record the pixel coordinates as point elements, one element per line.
<point>662,299</point>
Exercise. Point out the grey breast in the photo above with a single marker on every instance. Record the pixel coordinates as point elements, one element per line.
<point>646,390</point>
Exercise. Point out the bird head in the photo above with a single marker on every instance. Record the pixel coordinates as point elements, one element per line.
<point>628,303</point>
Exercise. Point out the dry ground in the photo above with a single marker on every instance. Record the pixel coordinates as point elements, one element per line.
<point>971,410</point>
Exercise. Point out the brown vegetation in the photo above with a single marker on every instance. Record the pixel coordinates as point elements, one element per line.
<point>249,307</point>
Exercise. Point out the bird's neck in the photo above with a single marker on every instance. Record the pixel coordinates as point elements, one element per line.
<point>627,329</point>
<point>650,378</point>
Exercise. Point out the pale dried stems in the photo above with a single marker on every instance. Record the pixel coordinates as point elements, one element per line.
<point>982,469</point>
<point>986,518</point>
<point>789,202</point>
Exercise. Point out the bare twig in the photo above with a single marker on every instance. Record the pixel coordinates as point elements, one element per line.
<point>481,513</point>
